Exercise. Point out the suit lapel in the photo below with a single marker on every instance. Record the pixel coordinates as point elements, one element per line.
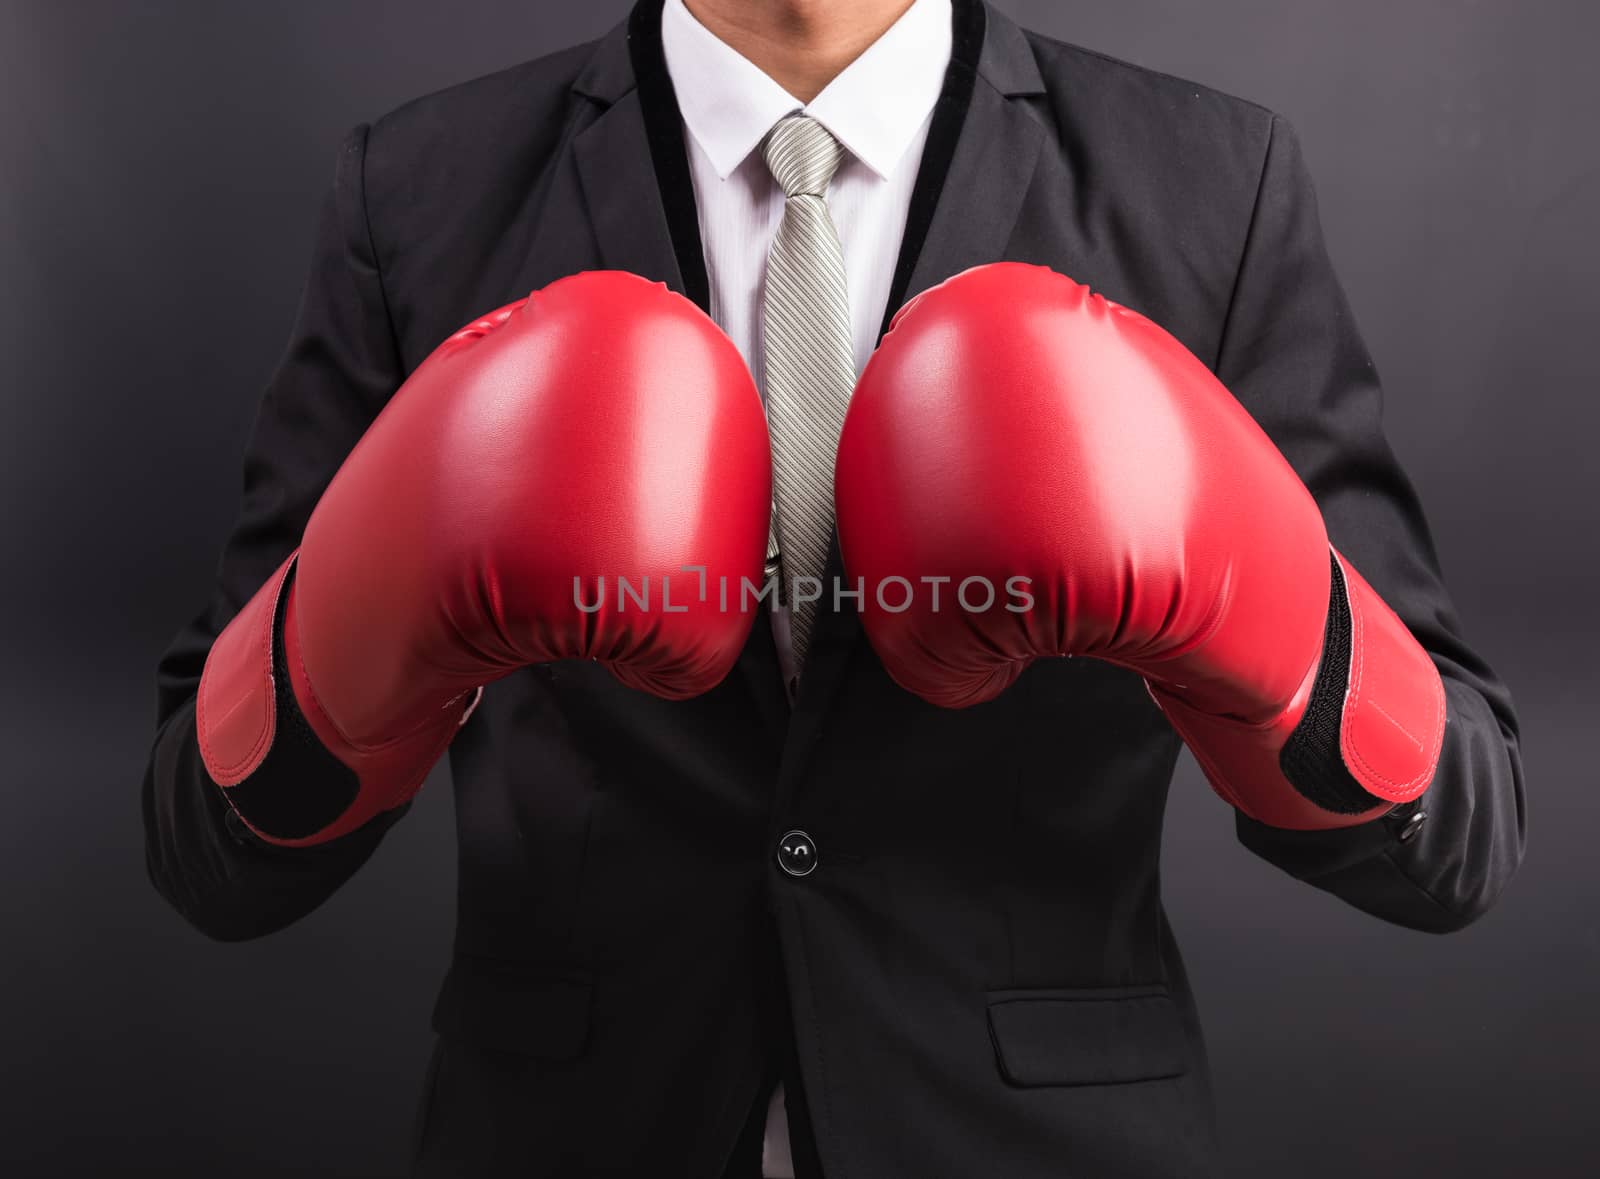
<point>620,195</point>
<point>976,169</point>
<point>990,170</point>
<point>618,157</point>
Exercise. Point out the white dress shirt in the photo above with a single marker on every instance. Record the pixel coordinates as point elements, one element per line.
<point>879,108</point>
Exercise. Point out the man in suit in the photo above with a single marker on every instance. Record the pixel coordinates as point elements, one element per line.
<point>806,922</point>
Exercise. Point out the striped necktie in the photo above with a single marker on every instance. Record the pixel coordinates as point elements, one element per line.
<point>810,357</point>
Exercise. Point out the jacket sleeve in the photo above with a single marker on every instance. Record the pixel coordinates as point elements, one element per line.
<point>1291,353</point>
<point>340,367</point>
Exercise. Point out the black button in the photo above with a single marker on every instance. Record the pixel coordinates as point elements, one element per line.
<point>1413,825</point>
<point>797,853</point>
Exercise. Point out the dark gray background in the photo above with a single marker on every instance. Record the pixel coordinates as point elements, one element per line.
<point>162,164</point>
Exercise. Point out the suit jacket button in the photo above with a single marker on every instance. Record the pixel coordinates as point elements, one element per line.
<point>1413,825</point>
<point>797,853</point>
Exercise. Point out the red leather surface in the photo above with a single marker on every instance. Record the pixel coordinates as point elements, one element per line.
<point>1394,708</point>
<point>235,713</point>
<point>1012,423</point>
<point>603,428</point>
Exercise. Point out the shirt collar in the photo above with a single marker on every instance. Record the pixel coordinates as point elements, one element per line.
<point>875,107</point>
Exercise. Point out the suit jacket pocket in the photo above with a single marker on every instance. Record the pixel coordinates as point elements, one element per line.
<point>1093,1036</point>
<point>527,1008</point>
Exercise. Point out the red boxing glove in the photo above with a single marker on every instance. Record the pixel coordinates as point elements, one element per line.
<point>601,429</point>
<point>1012,425</point>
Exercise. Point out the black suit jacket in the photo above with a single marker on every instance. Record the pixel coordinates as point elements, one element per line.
<point>978,978</point>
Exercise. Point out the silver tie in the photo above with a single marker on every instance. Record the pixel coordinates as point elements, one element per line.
<point>810,357</point>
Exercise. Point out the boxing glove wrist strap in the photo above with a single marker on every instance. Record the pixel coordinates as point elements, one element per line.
<point>1362,734</point>
<point>283,766</point>
<point>1310,758</point>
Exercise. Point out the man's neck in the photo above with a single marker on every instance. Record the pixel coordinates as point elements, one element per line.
<point>802,45</point>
